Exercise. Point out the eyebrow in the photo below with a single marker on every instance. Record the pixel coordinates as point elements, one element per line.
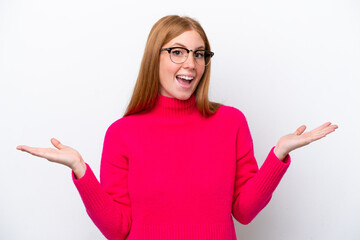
<point>182,45</point>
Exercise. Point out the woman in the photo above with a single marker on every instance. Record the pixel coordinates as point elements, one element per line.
<point>176,166</point>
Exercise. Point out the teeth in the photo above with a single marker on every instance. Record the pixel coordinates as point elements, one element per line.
<point>186,78</point>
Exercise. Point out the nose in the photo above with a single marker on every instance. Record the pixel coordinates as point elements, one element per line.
<point>190,61</point>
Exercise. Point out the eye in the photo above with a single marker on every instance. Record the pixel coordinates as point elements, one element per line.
<point>177,52</point>
<point>199,54</point>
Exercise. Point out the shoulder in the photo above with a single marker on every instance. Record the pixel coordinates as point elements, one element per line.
<point>231,113</point>
<point>121,125</point>
<point>235,117</point>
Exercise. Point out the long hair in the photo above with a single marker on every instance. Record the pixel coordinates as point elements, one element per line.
<point>147,85</point>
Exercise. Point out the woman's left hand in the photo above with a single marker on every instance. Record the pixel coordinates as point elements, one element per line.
<point>299,139</point>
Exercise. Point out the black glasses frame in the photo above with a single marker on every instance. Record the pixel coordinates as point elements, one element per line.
<point>207,52</point>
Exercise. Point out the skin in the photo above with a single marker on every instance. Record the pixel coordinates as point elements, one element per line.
<point>298,139</point>
<point>169,87</point>
<point>64,155</point>
<point>168,70</point>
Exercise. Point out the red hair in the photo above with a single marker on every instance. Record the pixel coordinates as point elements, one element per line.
<point>147,84</point>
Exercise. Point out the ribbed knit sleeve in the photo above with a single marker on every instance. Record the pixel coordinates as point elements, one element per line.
<point>253,187</point>
<point>108,203</point>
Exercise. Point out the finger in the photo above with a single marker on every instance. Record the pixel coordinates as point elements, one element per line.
<point>325,125</point>
<point>328,130</point>
<point>322,133</point>
<point>22,148</point>
<point>300,130</point>
<point>39,152</point>
<point>57,143</point>
<point>333,127</point>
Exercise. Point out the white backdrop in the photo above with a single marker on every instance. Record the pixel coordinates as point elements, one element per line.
<point>67,70</point>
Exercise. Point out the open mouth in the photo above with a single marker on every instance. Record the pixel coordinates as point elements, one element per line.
<point>184,81</point>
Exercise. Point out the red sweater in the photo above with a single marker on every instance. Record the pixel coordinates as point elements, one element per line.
<point>170,173</point>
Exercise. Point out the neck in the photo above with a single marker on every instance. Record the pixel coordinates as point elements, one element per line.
<point>169,108</point>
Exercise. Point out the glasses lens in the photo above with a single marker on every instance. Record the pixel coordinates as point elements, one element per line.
<point>203,57</point>
<point>178,55</point>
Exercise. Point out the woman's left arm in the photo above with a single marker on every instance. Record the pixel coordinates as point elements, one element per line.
<point>254,186</point>
<point>298,139</point>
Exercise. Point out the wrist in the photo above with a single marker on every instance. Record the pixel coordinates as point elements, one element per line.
<point>79,169</point>
<point>280,153</point>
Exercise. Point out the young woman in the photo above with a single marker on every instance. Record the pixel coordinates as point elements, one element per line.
<point>177,166</point>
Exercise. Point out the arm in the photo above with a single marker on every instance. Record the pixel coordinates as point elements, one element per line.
<point>108,203</point>
<point>253,187</point>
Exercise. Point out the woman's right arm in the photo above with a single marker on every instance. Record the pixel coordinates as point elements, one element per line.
<point>107,204</point>
<point>111,210</point>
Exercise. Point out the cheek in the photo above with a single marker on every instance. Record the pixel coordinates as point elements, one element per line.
<point>201,72</point>
<point>162,72</point>
<point>167,70</point>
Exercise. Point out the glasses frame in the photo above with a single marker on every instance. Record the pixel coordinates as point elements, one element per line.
<point>211,54</point>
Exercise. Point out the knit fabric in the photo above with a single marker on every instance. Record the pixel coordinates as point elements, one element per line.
<point>170,173</point>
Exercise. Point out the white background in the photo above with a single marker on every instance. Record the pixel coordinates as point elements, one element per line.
<point>67,70</point>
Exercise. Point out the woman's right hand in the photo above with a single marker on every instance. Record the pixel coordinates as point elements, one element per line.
<point>63,154</point>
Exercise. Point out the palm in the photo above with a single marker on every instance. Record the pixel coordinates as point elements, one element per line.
<point>62,154</point>
<point>299,139</point>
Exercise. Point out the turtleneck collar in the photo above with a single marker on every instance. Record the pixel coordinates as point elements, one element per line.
<point>168,108</point>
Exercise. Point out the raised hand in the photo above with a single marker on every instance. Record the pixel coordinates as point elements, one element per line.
<point>63,154</point>
<point>298,139</point>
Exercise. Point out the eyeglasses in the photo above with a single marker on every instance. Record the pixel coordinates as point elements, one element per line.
<point>180,54</point>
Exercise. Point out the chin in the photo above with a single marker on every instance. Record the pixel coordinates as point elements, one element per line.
<point>180,95</point>
<point>184,96</point>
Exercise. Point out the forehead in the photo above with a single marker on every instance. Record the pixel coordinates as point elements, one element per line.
<point>190,39</point>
